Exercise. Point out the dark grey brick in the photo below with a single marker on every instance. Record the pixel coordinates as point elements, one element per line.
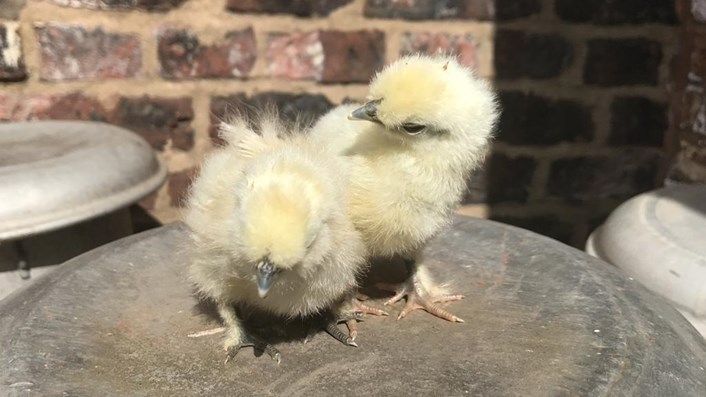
<point>530,119</point>
<point>637,121</point>
<point>477,187</point>
<point>429,9</point>
<point>582,179</point>
<point>302,8</point>
<point>149,5</point>
<point>157,119</point>
<point>615,12</point>
<point>506,10</point>
<point>306,108</point>
<point>520,54</point>
<point>619,62</point>
<point>508,179</point>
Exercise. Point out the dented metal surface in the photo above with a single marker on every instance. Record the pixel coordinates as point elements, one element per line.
<point>541,319</point>
<point>57,173</point>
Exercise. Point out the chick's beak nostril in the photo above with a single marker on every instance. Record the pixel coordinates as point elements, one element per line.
<point>265,273</point>
<point>367,112</point>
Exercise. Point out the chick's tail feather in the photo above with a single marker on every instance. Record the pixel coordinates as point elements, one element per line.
<point>253,137</point>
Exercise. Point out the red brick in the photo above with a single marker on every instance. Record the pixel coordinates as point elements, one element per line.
<point>353,56</point>
<point>149,5</point>
<point>182,56</point>
<point>19,108</point>
<point>296,56</point>
<point>158,120</point>
<point>328,56</point>
<point>464,46</point>
<point>178,187</point>
<point>71,52</point>
<point>302,8</point>
<point>7,106</point>
<point>12,67</point>
<point>73,106</point>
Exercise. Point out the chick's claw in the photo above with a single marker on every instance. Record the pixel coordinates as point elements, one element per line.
<point>331,327</point>
<point>417,298</point>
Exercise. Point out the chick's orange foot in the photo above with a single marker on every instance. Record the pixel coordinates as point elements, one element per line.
<point>418,298</point>
<point>233,347</point>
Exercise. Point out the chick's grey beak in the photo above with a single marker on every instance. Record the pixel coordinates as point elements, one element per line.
<point>265,277</point>
<point>367,112</point>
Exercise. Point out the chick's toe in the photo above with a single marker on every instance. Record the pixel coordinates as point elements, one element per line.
<point>350,313</point>
<point>350,318</point>
<point>418,298</point>
<point>360,307</point>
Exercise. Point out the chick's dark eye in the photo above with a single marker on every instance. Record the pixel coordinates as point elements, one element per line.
<point>412,129</point>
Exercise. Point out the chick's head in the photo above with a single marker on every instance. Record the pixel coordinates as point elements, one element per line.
<point>282,214</point>
<point>422,97</point>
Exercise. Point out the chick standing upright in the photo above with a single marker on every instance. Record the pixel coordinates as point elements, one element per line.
<point>411,149</point>
<point>270,231</point>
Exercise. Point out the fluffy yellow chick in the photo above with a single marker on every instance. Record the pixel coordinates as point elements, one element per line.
<point>411,149</point>
<point>267,216</point>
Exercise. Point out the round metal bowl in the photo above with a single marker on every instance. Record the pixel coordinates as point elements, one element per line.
<point>542,319</point>
<point>58,173</point>
<point>659,238</point>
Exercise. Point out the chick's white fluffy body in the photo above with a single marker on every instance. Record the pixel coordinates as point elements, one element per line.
<point>265,195</point>
<point>405,188</point>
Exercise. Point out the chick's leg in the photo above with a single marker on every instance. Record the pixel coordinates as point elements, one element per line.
<point>418,297</point>
<point>236,337</point>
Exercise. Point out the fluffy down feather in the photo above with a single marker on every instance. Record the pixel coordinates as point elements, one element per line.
<point>411,149</point>
<point>274,196</point>
<point>405,186</point>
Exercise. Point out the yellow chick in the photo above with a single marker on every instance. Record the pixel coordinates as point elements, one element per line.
<point>267,216</point>
<point>411,149</point>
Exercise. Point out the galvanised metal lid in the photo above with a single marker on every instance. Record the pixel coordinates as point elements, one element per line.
<point>57,173</point>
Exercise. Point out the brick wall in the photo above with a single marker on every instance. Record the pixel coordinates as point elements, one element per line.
<point>583,84</point>
<point>584,87</point>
